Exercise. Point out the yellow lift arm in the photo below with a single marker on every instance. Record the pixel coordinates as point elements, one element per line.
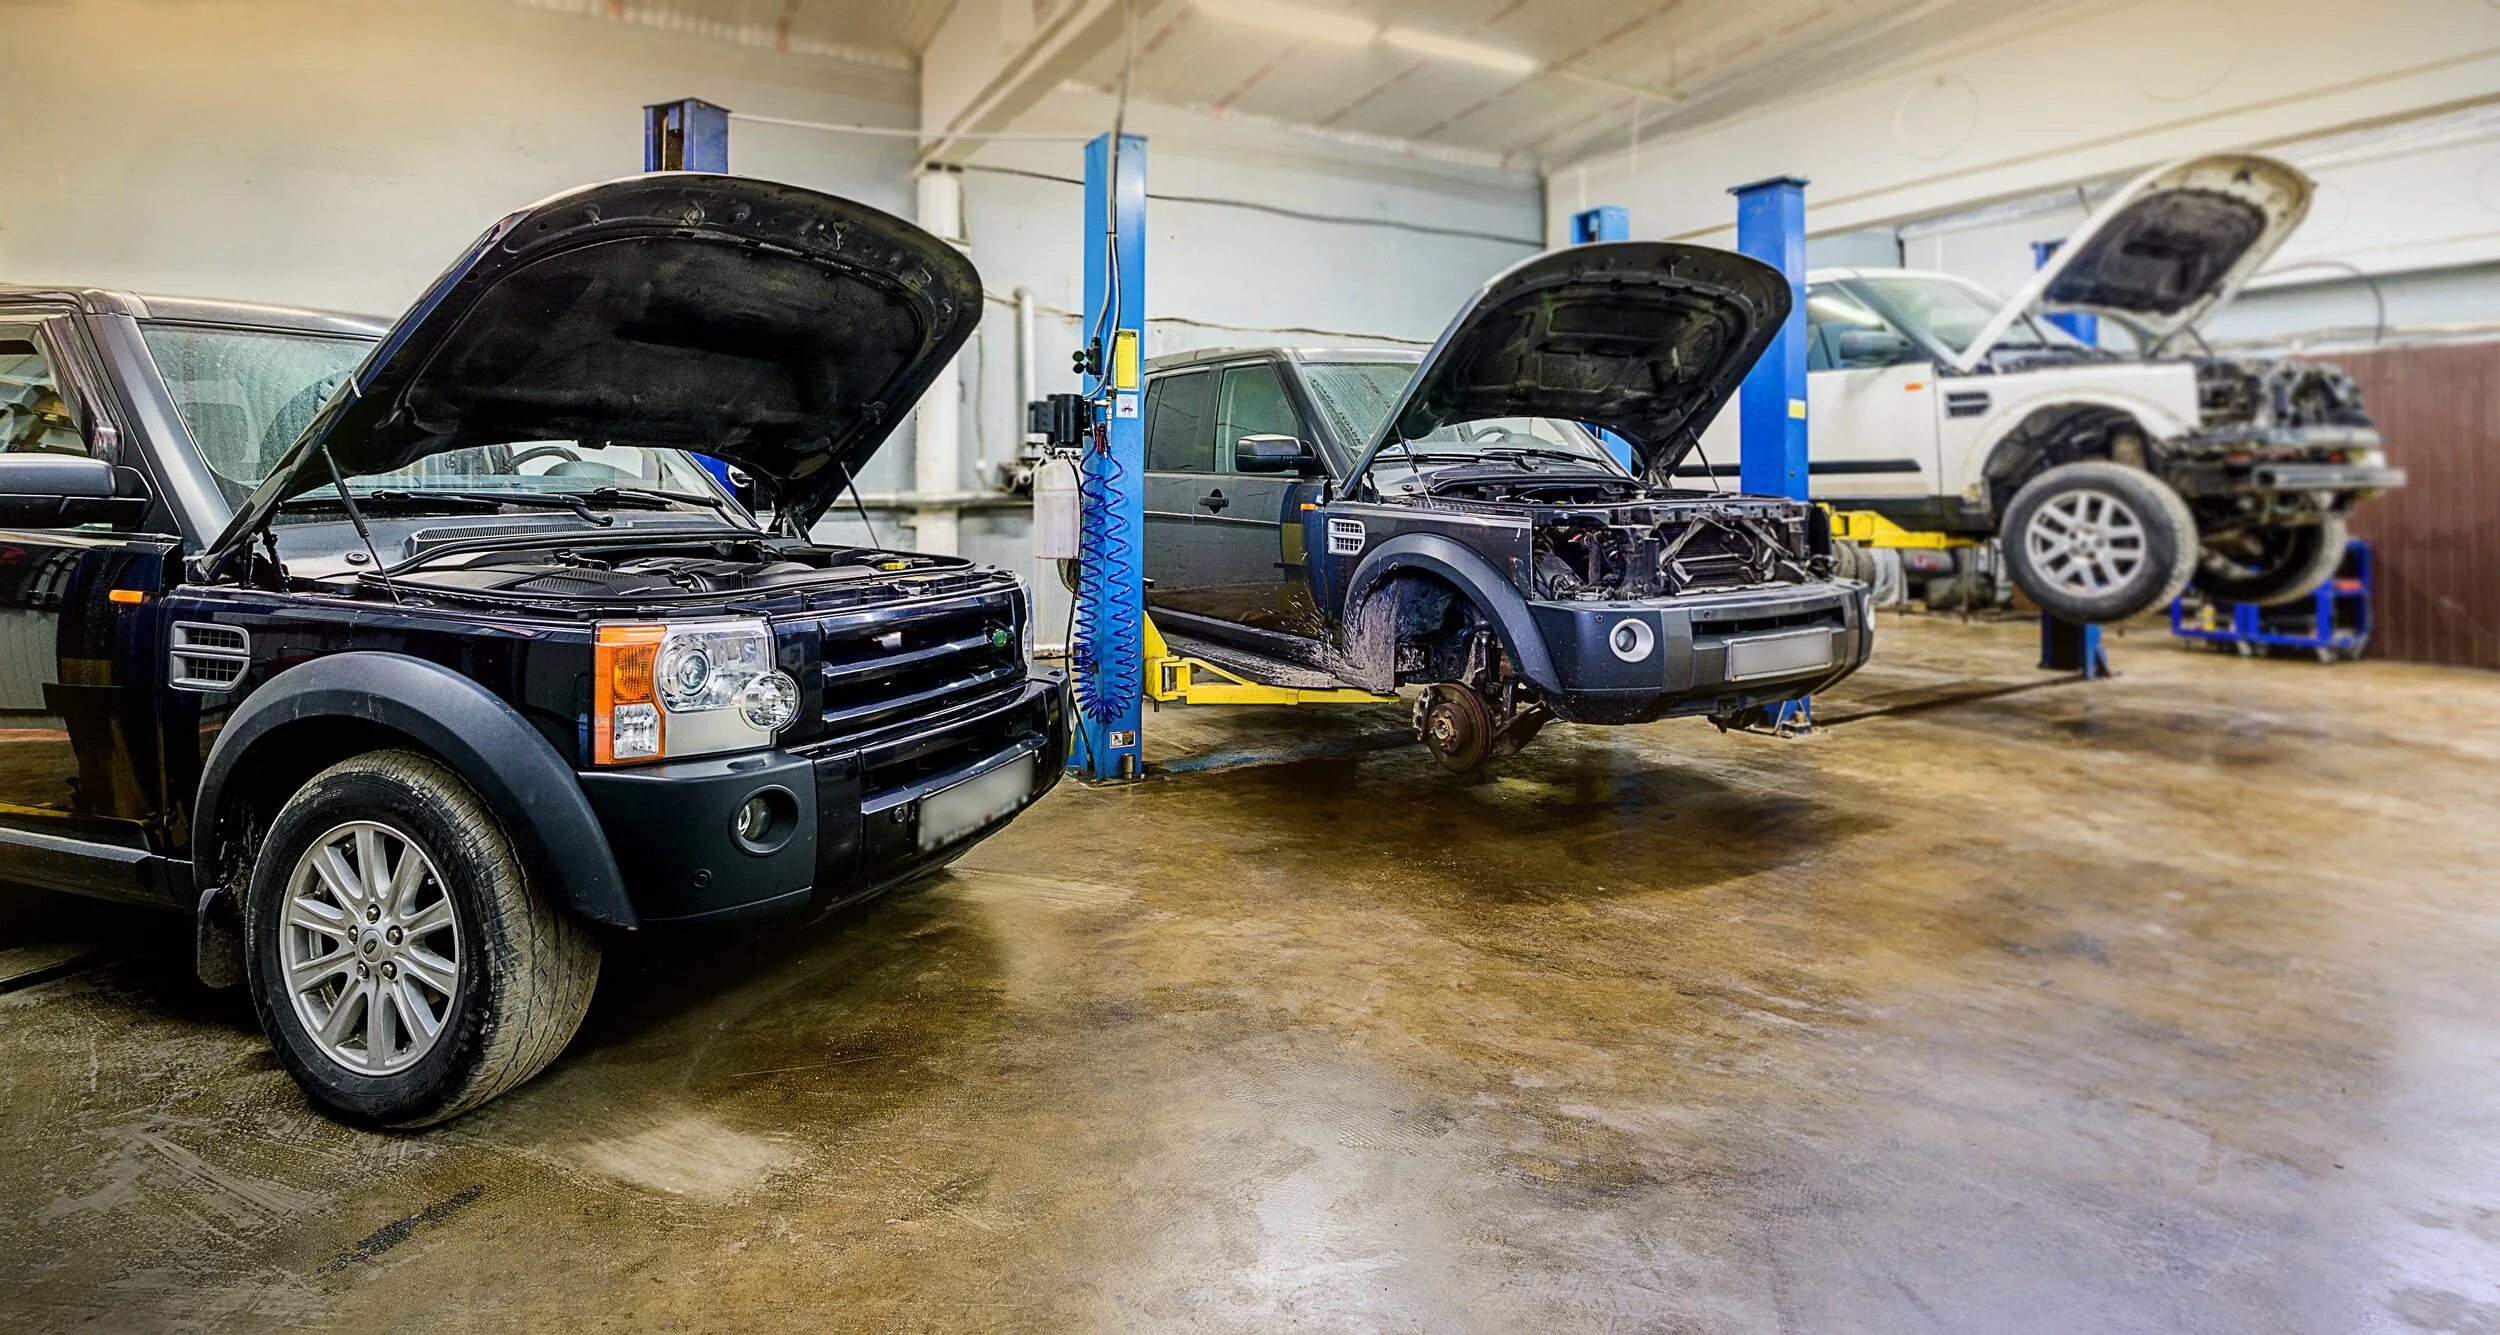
<point>1869,529</point>
<point>1176,679</point>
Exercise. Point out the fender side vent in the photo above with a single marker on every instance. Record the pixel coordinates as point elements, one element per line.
<point>1965,402</point>
<point>208,657</point>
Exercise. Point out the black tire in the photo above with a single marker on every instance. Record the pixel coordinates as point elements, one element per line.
<point>1852,561</point>
<point>2273,566</point>
<point>524,969</point>
<point>2143,542</point>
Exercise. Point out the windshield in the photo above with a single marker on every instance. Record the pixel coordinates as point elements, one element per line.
<point>246,394</point>
<point>1358,396</point>
<point>1952,312</point>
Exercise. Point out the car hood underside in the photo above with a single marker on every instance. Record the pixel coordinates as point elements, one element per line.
<point>1643,338</point>
<point>780,329</point>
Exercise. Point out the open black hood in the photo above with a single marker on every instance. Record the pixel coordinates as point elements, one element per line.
<point>1644,338</point>
<point>780,329</point>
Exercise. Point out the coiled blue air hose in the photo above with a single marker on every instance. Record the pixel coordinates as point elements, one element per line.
<point>1107,680</point>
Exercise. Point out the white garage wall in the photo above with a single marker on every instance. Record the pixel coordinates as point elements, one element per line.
<point>2406,216</point>
<point>340,152</point>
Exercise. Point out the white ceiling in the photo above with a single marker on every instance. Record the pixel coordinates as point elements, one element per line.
<point>1604,69</point>
<point>1598,63</point>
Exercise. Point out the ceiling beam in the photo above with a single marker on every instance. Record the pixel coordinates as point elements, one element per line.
<point>993,60</point>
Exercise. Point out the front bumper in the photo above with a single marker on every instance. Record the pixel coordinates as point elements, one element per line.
<point>1694,664</point>
<point>853,808</point>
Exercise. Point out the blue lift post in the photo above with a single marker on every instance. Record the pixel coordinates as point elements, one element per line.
<point>1606,222</point>
<point>1771,407</point>
<point>688,135</point>
<point>2081,324</point>
<point>1108,655</point>
<point>2065,646</point>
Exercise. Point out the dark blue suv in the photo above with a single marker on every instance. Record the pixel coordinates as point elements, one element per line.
<point>416,659</point>
<point>1454,520</point>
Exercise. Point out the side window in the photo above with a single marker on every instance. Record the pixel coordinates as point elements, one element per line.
<point>1832,316</point>
<point>1254,404</point>
<point>34,417</point>
<point>1178,413</point>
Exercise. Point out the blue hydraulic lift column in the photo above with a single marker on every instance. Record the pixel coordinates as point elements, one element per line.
<point>2065,646</point>
<point>1108,650</point>
<point>2081,324</point>
<point>688,135</point>
<point>1606,222</point>
<point>1771,407</point>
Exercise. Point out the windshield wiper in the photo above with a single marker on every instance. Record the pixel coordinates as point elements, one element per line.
<point>650,498</point>
<point>1543,452</point>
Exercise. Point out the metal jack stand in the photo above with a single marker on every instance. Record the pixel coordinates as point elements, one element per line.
<point>2067,647</point>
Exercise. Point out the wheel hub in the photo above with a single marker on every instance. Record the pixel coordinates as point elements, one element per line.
<point>371,948</point>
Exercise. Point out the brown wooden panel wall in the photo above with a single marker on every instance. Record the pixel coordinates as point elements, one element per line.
<point>2438,539</point>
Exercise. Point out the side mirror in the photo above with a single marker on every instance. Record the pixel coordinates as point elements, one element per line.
<point>1271,454</point>
<point>1873,347</point>
<point>58,491</point>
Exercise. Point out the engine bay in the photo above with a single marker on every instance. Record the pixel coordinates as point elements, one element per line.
<point>1657,548</point>
<point>2269,394</point>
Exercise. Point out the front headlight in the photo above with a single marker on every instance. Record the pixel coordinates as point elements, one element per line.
<point>672,691</point>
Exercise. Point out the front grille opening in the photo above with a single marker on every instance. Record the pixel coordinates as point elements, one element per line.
<point>983,743</point>
<point>1759,624</point>
<point>1714,558</point>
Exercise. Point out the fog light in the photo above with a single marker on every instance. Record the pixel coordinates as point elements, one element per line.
<point>770,701</point>
<point>755,819</point>
<point>765,822</point>
<point>1632,639</point>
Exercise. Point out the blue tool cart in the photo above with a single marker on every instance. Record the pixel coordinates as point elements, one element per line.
<point>2332,623</point>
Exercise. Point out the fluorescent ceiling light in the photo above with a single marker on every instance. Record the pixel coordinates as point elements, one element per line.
<point>1292,20</point>
<point>1451,48</point>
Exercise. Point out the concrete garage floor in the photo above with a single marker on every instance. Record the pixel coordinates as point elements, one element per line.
<point>2158,1004</point>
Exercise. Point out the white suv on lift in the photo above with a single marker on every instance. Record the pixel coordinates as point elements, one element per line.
<point>2113,480</point>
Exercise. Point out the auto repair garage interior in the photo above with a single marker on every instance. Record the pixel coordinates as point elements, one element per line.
<point>1390,949</point>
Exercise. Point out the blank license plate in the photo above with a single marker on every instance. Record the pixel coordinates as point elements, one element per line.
<point>951,813</point>
<point>1779,655</point>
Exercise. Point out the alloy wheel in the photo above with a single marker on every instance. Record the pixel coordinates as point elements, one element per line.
<point>2086,542</point>
<point>371,948</point>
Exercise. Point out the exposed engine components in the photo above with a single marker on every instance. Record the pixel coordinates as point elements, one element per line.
<point>1658,547</point>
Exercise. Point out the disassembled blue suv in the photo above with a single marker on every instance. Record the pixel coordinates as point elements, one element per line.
<point>412,659</point>
<point>1452,522</point>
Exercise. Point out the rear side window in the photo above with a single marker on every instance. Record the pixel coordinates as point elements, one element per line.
<point>34,417</point>
<point>1180,411</point>
<point>1254,404</point>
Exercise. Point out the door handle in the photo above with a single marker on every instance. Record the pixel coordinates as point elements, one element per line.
<point>1214,501</point>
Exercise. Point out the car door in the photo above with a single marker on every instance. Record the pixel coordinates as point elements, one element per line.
<point>1871,408</point>
<point>1180,451</point>
<point>79,752</point>
<point>1253,572</point>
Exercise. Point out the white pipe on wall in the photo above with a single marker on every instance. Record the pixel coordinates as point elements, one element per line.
<point>1027,382</point>
<point>937,437</point>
